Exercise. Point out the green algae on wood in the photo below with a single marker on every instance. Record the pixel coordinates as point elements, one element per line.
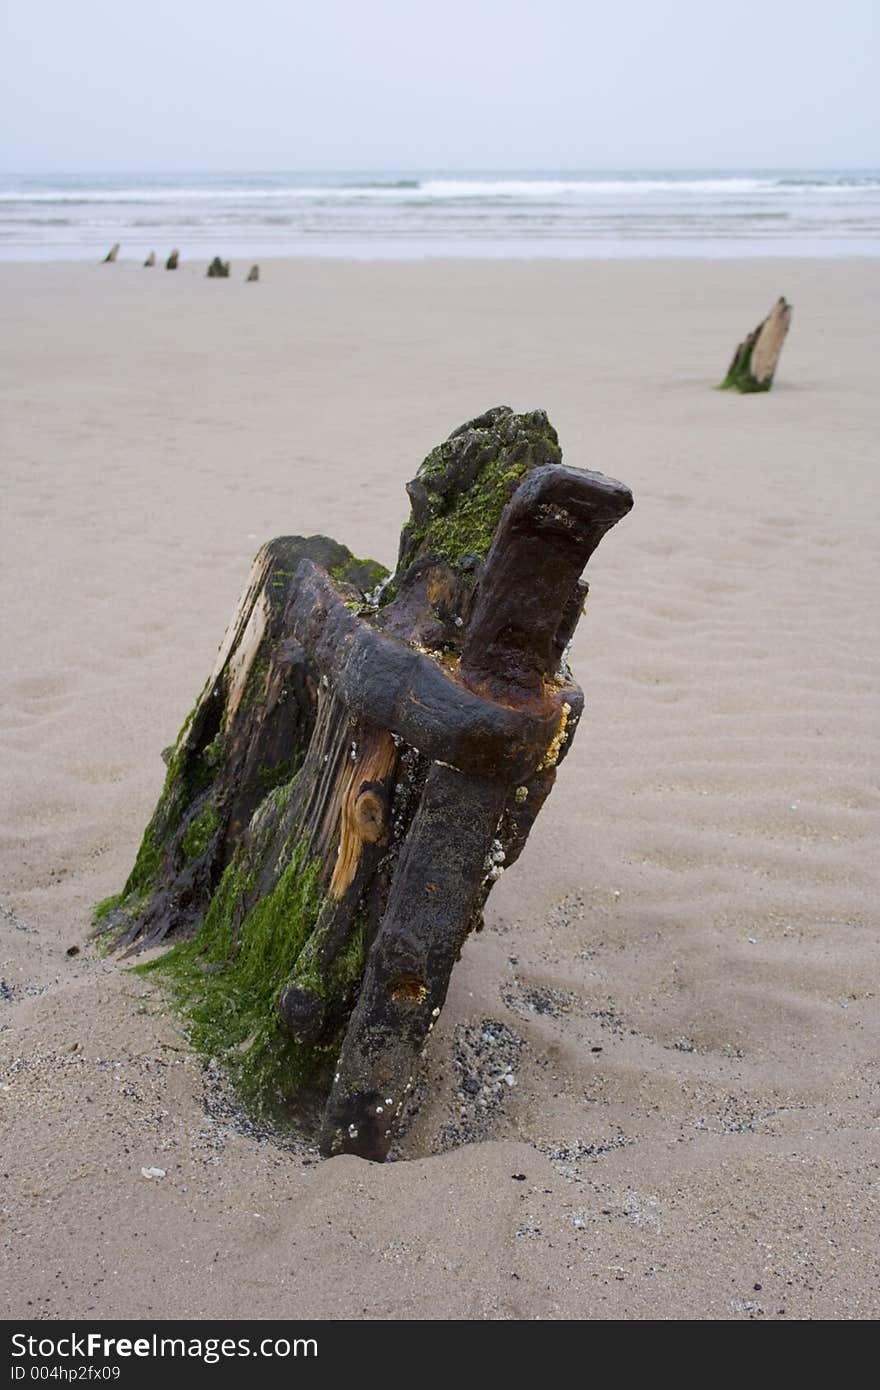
<point>245,735</point>
<point>755,360</point>
<point>463,486</point>
<point>366,575</point>
<point>199,832</point>
<point>226,981</point>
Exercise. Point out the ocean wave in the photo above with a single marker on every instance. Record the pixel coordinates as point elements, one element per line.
<point>557,188</point>
<point>44,222</point>
<point>437,189</point>
<point>831,182</point>
<point>384,183</point>
<point>498,213</point>
<point>169,222</point>
<point>432,189</point>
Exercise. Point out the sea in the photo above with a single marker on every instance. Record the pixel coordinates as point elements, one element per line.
<point>406,214</point>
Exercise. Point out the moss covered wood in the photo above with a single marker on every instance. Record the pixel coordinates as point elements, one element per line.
<point>369,754</point>
<point>755,360</point>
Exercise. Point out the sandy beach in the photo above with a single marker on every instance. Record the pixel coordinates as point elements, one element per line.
<point>680,974</point>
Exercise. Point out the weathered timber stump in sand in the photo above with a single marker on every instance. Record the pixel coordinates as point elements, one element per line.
<point>253,273</point>
<point>151,259</point>
<point>367,756</point>
<point>755,360</point>
<point>171,263</point>
<point>111,254</point>
<point>218,270</point>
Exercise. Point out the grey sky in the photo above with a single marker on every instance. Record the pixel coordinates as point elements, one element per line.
<point>467,84</point>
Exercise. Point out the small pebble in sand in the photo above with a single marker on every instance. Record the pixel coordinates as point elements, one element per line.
<point>152,1172</point>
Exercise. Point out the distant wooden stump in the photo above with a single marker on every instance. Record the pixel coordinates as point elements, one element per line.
<point>253,273</point>
<point>111,254</point>
<point>218,270</point>
<point>171,263</point>
<point>151,259</point>
<point>366,759</point>
<point>755,360</point>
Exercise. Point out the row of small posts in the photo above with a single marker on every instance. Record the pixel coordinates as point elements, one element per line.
<point>217,270</point>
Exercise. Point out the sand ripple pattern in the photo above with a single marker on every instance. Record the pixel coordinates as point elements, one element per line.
<point>654,1090</point>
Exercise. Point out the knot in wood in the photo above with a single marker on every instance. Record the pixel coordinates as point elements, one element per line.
<point>370,813</point>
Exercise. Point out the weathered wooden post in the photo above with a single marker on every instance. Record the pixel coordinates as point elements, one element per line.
<point>367,757</point>
<point>253,274</point>
<point>755,360</point>
<point>218,270</point>
<point>151,259</point>
<point>172,261</point>
<point>111,254</point>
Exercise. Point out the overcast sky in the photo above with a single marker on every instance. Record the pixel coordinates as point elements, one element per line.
<point>465,84</point>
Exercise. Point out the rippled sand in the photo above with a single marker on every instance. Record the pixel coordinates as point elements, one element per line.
<point>679,978</point>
